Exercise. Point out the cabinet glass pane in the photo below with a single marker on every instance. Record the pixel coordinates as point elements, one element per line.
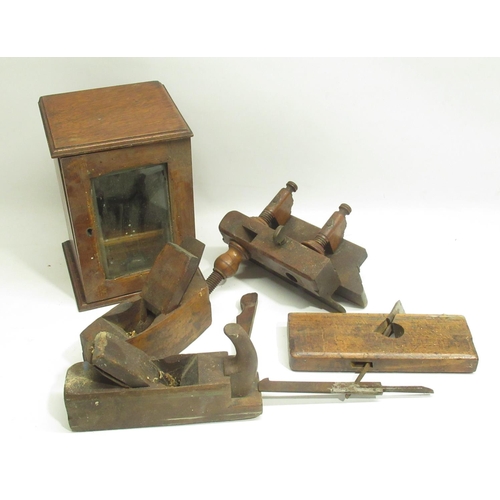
<point>133,218</point>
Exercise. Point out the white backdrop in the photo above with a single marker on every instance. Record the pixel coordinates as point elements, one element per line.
<point>411,144</point>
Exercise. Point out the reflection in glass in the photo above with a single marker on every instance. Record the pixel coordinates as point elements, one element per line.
<point>133,216</point>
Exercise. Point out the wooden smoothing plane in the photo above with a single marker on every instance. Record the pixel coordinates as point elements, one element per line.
<point>171,312</point>
<point>397,342</point>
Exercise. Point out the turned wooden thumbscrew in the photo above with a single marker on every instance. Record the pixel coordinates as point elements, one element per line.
<point>332,233</point>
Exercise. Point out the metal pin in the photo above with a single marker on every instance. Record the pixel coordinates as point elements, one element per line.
<point>338,388</point>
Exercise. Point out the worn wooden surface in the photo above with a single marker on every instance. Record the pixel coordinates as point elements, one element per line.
<point>171,333</point>
<point>203,395</point>
<point>103,131</point>
<point>116,385</point>
<point>317,260</point>
<point>77,173</point>
<point>110,118</point>
<point>159,335</point>
<point>427,343</point>
<point>169,277</point>
<point>77,285</point>
<point>319,275</point>
<point>122,363</point>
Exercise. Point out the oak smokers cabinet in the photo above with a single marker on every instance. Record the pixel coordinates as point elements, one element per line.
<point>123,157</point>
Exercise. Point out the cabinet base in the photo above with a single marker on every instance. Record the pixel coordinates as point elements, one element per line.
<point>76,283</point>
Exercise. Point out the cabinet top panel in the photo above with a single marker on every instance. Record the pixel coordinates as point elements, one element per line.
<point>108,118</point>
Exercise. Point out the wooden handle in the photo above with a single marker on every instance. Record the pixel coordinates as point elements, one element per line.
<point>227,264</point>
